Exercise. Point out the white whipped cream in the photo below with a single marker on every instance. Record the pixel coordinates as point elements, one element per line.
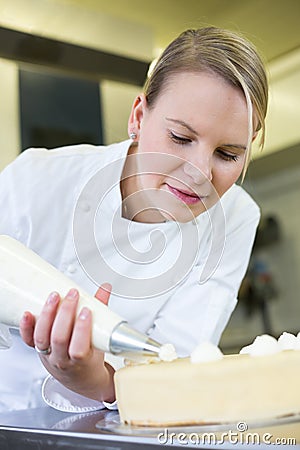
<point>288,341</point>
<point>205,352</point>
<point>167,352</point>
<point>268,345</point>
<point>262,345</point>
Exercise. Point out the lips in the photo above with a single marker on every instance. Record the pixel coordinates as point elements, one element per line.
<point>189,198</point>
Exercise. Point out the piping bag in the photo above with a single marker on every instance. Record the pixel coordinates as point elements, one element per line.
<point>26,280</point>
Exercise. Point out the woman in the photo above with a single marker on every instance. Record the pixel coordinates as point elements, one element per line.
<point>92,211</point>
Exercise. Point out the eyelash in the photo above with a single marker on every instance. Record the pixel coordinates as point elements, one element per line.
<point>227,156</point>
<point>184,141</point>
<point>178,139</point>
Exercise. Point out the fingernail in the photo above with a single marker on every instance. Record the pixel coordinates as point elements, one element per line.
<point>106,287</point>
<point>84,313</point>
<point>73,294</point>
<point>25,317</point>
<point>52,299</point>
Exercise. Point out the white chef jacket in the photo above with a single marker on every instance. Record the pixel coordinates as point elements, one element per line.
<point>176,282</point>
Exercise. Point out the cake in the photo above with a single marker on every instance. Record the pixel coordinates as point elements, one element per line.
<point>260,383</point>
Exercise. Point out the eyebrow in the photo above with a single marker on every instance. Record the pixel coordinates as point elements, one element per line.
<point>180,122</point>
<point>236,146</point>
<point>188,127</point>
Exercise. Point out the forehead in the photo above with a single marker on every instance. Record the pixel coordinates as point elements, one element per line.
<point>201,91</point>
<point>200,78</point>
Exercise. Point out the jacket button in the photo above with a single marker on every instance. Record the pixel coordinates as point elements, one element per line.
<point>85,207</point>
<point>71,268</point>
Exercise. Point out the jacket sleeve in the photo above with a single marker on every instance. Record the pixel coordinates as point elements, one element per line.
<point>59,397</point>
<point>17,196</point>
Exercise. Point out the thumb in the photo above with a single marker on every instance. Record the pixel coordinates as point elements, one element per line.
<point>103,293</point>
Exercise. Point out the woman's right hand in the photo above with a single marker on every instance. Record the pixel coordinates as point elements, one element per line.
<point>72,360</point>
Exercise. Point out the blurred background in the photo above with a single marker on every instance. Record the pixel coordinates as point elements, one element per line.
<point>70,69</point>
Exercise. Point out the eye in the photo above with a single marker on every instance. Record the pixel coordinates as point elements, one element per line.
<point>227,156</point>
<point>179,139</point>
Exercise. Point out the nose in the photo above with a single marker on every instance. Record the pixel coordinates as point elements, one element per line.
<point>199,169</point>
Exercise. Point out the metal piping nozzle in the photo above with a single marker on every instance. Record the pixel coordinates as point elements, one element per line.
<point>125,341</point>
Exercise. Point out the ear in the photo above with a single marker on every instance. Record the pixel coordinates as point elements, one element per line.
<point>136,115</point>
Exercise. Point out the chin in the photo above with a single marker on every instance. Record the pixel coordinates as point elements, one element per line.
<point>183,216</point>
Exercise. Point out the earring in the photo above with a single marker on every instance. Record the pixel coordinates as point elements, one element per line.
<point>133,135</point>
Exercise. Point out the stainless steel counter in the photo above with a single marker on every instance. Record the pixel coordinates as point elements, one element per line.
<point>46,428</point>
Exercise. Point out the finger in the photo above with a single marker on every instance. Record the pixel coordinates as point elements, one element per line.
<point>80,345</point>
<point>63,326</point>
<point>103,293</point>
<point>27,324</point>
<point>45,321</point>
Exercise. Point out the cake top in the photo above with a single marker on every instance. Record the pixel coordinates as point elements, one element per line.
<point>266,344</point>
<point>261,346</point>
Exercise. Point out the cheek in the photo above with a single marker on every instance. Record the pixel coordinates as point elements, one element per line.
<point>150,181</point>
<point>156,166</point>
<point>150,134</point>
<point>225,178</point>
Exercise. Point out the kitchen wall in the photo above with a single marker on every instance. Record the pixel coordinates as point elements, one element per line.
<point>117,99</point>
<point>9,112</point>
<point>76,25</point>
<point>278,194</point>
<point>283,114</point>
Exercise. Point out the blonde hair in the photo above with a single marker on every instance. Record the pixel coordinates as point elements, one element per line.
<point>225,53</point>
